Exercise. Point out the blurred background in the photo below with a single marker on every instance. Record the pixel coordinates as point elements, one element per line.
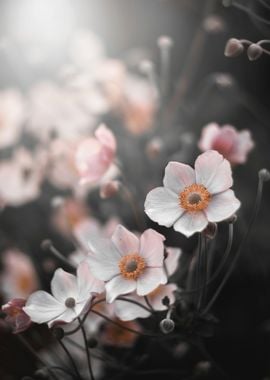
<point>63,67</point>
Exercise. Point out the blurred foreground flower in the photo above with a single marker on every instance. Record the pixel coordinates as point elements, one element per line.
<point>190,199</point>
<point>15,316</point>
<point>233,145</point>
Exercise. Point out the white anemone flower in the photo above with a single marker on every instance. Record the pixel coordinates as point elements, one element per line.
<point>190,199</point>
<point>71,297</point>
<point>127,263</point>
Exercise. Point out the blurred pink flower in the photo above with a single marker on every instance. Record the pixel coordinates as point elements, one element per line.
<point>95,155</point>
<point>233,145</point>
<point>192,198</point>
<point>15,316</point>
<point>12,113</point>
<point>128,263</point>
<point>71,297</point>
<point>19,278</point>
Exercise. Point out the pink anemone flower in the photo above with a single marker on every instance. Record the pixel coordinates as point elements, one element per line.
<point>16,318</point>
<point>190,199</point>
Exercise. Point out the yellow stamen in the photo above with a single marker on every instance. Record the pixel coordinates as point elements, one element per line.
<point>131,266</point>
<point>194,197</point>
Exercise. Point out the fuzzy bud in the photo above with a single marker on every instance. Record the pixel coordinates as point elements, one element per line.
<point>264,175</point>
<point>109,189</point>
<point>233,48</point>
<point>167,325</point>
<point>254,52</point>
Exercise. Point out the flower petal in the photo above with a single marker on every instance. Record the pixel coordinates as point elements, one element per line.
<point>125,241</point>
<point>150,280</point>
<point>155,299</point>
<point>117,286</point>
<point>152,248</point>
<point>191,222</point>
<point>222,206</point>
<point>178,176</point>
<point>162,206</point>
<point>127,311</point>
<point>87,283</point>
<point>64,285</point>
<point>209,133</point>
<point>213,171</point>
<point>66,317</point>
<point>42,307</point>
<point>172,259</point>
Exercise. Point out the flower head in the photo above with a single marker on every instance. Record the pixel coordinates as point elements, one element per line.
<point>70,297</point>
<point>233,145</point>
<point>190,199</point>
<point>95,155</point>
<point>128,263</point>
<point>15,316</point>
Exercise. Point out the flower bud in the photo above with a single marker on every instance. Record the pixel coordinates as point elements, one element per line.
<point>254,52</point>
<point>213,24</point>
<point>92,343</point>
<point>165,42</point>
<point>167,325</point>
<point>58,333</point>
<point>264,175</point>
<point>154,148</point>
<point>210,231</point>
<point>109,189</point>
<point>233,48</point>
<point>46,245</point>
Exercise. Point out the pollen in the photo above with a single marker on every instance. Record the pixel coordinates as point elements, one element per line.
<point>131,266</point>
<point>194,197</point>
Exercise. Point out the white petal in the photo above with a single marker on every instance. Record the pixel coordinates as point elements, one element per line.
<point>209,132</point>
<point>172,260</point>
<point>152,248</point>
<point>222,206</point>
<point>213,171</point>
<point>66,317</point>
<point>118,286</point>
<point>64,285</point>
<point>178,176</point>
<point>191,222</point>
<point>42,307</point>
<point>162,206</point>
<point>127,311</point>
<point>155,299</point>
<point>102,268</point>
<point>150,280</point>
<point>87,283</point>
<point>125,241</point>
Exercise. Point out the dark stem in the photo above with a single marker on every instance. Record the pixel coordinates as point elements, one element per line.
<point>72,362</point>
<point>92,377</point>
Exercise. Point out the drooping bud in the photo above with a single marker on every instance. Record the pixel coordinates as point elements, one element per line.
<point>233,48</point>
<point>109,189</point>
<point>210,231</point>
<point>167,325</point>
<point>264,175</point>
<point>254,52</point>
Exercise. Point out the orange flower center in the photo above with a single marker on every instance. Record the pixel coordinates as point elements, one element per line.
<point>131,266</point>
<point>194,197</point>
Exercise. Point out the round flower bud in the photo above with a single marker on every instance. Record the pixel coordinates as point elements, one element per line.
<point>46,245</point>
<point>58,333</point>
<point>254,52</point>
<point>167,325</point>
<point>264,175</point>
<point>109,189</point>
<point>92,343</point>
<point>233,48</point>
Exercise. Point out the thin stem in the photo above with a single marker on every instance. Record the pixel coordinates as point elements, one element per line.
<point>92,377</point>
<point>250,12</point>
<point>203,270</point>
<point>47,244</point>
<point>72,362</point>
<point>241,246</point>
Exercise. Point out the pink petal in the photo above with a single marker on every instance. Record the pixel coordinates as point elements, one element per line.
<point>103,268</point>
<point>106,137</point>
<point>87,283</point>
<point>209,133</point>
<point>243,145</point>
<point>162,206</point>
<point>118,286</point>
<point>213,171</point>
<point>42,307</point>
<point>64,285</point>
<point>152,248</point>
<point>150,280</point>
<point>127,311</point>
<point>222,206</point>
<point>172,259</point>
<point>178,176</point>
<point>155,299</point>
<point>125,241</point>
<point>191,222</point>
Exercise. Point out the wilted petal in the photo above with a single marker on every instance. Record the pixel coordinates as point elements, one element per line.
<point>64,285</point>
<point>162,206</point>
<point>125,241</point>
<point>213,171</point>
<point>118,286</point>
<point>42,307</point>
<point>222,206</point>
<point>150,280</point>
<point>178,176</point>
<point>152,248</point>
<point>191,222</point>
